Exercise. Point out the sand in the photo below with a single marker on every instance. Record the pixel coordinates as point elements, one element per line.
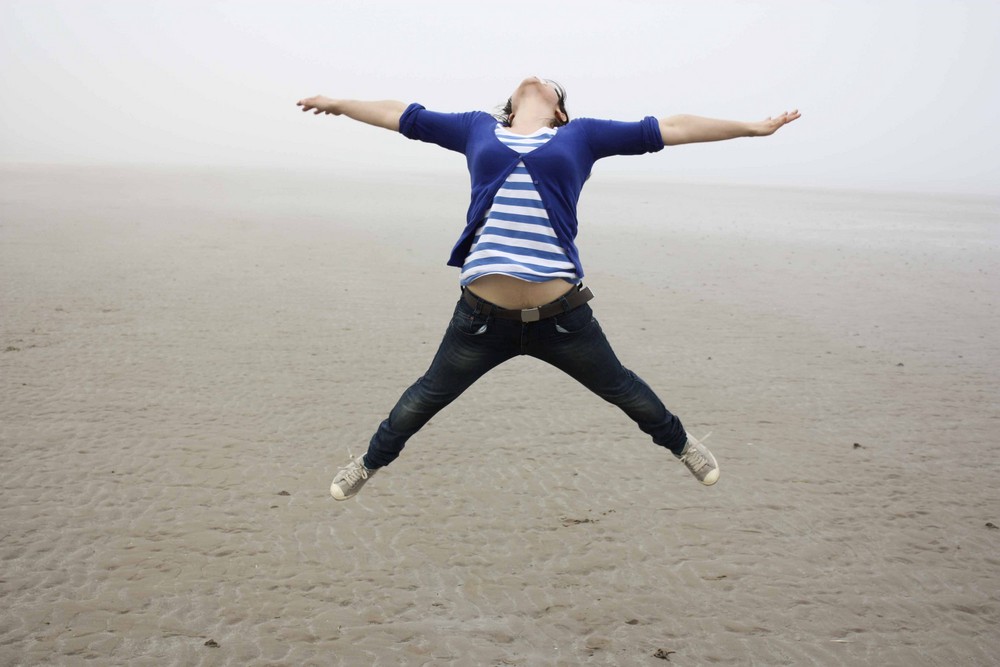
<point>186,357</point>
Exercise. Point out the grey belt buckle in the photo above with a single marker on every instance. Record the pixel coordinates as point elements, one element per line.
<point>531,314</point>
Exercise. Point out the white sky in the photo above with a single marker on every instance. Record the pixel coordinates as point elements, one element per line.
<point>899,95</point>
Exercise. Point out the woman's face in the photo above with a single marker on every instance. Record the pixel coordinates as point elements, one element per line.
<point>537,85</point>
<point>543,88</point>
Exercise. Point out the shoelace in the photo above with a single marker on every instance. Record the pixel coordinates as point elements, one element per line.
<point>694,458</point>
<point>355,471</point>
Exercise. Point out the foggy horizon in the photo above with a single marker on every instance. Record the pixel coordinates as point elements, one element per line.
<point>895,96</point>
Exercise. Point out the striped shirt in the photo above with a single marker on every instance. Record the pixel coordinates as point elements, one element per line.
<point>516,238</point>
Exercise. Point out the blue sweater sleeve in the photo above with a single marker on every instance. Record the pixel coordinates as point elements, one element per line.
<point>613,137</point>
<point>448,130</point>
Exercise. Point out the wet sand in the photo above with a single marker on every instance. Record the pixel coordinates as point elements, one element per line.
<point>187,356</point>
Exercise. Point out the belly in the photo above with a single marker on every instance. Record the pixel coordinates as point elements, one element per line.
<point>514,293</point>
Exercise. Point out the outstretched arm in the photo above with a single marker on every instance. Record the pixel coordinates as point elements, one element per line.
<point>685,129</point>
<point>384,113</point>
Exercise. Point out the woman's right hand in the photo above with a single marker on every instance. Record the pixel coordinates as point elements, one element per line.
<point>319,104</point>
<point>382,113</point>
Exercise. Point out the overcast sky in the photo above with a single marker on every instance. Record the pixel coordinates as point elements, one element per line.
<point>899,95</point>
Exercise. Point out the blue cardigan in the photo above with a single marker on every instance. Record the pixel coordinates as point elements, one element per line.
<point>558,169</point>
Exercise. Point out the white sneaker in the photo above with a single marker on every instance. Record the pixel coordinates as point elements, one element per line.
<point>700,461</point>
<point>350,479</point>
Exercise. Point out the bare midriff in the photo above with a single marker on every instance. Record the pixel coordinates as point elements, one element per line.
<point>514,293</point>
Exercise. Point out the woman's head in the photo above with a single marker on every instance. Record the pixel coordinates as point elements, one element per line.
<point>543,92</point>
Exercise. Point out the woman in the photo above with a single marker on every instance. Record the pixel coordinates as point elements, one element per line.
<point>521,273</point>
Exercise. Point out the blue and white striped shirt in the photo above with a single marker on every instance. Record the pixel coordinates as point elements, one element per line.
<point>516,238</point>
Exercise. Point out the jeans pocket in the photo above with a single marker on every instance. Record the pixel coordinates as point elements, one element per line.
<point>574,321</point>
<point>468,322</point>
<point>472,327</point>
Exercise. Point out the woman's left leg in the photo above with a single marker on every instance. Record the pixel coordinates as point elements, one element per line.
<point>574,343</point>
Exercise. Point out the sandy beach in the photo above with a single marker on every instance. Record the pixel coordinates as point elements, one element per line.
<point>186,357</point>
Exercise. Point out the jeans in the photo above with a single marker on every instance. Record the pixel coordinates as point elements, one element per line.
<point>473,344</point>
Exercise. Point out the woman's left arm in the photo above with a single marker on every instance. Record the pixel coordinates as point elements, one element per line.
<point>685,129</point>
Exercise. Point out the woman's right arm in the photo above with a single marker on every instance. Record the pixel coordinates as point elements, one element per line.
<point>383,113</point>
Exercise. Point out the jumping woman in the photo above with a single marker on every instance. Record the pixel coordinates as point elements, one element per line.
<point>521,277</point>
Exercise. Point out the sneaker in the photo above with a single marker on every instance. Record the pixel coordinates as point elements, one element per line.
<point>350,479</point>
<point>700,461</point>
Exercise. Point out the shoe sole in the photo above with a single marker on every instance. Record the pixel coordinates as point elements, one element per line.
<point>712,477</point>
<point>338,494</point>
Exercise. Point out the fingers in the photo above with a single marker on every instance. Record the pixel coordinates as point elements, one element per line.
<point>310,104</point>
<point>785,118</point>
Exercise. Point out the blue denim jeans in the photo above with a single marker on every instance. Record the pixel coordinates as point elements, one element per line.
<point>473,344</point>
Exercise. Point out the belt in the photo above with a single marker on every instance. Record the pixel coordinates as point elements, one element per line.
<point>575,297</point>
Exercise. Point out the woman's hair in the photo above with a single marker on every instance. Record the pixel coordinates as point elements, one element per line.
<point>505,112</point>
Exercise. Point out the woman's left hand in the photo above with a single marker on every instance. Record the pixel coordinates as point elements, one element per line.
<point>769,126</point>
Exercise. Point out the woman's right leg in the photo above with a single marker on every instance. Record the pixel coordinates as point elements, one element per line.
<point>471,346</point>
